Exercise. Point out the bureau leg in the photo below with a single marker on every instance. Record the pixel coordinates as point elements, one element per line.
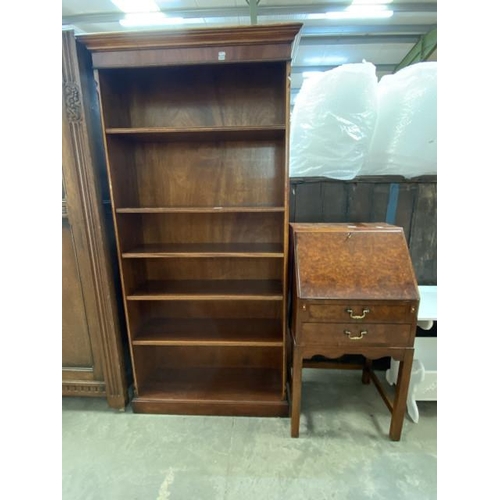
<point>296,390</point>
<point>365,377</point>
<point>399,407</point>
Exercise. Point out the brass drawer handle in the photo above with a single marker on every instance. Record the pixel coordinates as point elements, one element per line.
<point>353,316</point>
<point>362,333</point>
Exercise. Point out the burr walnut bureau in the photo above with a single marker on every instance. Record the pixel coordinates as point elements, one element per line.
<point>354,292</point>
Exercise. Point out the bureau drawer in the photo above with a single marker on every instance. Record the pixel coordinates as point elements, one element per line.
<point>359,313</point>
<point>354,334</point>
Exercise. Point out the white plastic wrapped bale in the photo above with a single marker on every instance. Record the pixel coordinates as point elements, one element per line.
<point>405,138</point>
<point>332,122</point>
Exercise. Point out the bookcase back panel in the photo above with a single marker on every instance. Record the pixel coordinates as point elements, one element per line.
<point>201,269</point>
<point>204,96</point>
<point>190,228</point>
<point>146,310</point>
<point>205,323</point>
<point>225,174</point>
<point>197,174</point>
<point>205,356</point>
<point>115,98</point>
<point>123,180</point>
<point>204,374</point>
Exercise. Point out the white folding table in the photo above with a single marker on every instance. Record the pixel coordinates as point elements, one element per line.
<point>423,382</point>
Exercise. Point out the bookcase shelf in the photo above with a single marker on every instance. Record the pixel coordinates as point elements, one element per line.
<point>197,160</point>
<point>209,290</point>
<point>196,250</point>
<point>213,391</point>
<point>165,134</point>
<point>200,210</point>
<point>247,332</point>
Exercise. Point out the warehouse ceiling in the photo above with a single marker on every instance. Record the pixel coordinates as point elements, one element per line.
<point>390,34</point>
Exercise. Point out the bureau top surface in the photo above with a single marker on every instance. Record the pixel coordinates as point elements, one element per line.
<point>353,262</point>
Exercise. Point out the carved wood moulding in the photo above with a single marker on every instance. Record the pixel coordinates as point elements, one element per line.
<point>73,102</point>
<point>79,389</point>
<point>241,35</point>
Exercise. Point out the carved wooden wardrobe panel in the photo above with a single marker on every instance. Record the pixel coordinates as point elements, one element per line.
<point>92,348</point>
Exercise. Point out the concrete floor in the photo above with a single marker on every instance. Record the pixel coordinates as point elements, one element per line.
<point>343,451</point>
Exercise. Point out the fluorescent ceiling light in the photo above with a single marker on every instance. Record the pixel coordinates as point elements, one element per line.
<point>149,19</point>
<point>132,6</point>
<point>367,11</point>
<point>156,19</point>
<point>147,13</point>
<point>370,2</point>
<point>364,11</point>
<point>324,60</point>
